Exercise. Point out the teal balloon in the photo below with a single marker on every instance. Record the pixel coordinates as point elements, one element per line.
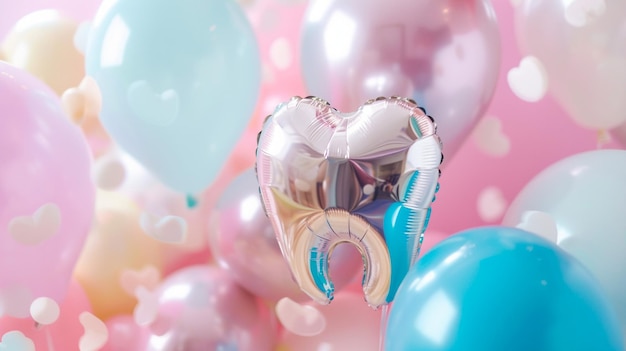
<point>179,82</point>
<point>499,288</point>
<point>585,195</point>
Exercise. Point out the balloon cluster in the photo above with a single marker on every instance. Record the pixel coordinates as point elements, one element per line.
<point>164,187</point>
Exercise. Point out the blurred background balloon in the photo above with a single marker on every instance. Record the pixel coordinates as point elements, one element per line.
<point>350,325</point>
<point>175,97</point>
<point>204,309</point>
<point>244,243</point>
<point>116,244</point>
<point>64,333</point>
<point>499,288</point>
<point>443,54</point>
<point>42,43</point>
<point>582,46</point>
<point>585,195</point>
<point>46,192</point>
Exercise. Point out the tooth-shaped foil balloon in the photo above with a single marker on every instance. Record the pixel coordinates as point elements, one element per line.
<point>367,178</point>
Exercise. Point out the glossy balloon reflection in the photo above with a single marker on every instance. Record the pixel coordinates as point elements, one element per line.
<point>585,195</point>
<point>582,45</point>
<point>179,81</point>
<point>203,308</point>
<point>498,288</point>
<point>244,243</point>
<point>443,54</point>
<point>366,178</point>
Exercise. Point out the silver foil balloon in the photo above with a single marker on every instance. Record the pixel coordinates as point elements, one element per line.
<point>366,178</point>
<point>444,54</point>
<point>243,241</point>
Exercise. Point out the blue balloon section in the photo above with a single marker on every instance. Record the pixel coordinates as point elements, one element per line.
<point>179,82</point>
<point>499,288</point>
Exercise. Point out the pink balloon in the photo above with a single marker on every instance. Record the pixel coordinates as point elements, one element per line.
<point>202,308</point>
<point>63,334</point>
<point>46,193</point>
<point>125,335</point>
<point>350,325</point>
<point>539,134</point>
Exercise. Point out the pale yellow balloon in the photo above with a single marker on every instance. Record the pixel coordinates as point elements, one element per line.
<point>115,244</point>
<point>42,43</point>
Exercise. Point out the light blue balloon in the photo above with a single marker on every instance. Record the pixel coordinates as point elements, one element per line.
<point>585,194</point>
<point>499,288</point>
<point>179,82</point>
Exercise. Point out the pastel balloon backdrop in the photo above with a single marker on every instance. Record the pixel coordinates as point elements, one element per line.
<point>443,54</point>
<point>513,142</point>
<point>174,97</point>
<point>46,192</point>
<point>585,195</point>
<point>115,246</point>
<point>582,47</point>
<point>202,308</point>
<point>496,288</point>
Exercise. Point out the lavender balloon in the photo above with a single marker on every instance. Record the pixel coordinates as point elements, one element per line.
<point>203,308</point>
<point>443,54</point>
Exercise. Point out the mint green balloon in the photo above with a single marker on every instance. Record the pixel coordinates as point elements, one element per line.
<point>179,82</point>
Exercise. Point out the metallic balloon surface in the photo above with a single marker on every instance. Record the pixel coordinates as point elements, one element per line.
<point>443,54</point>
<point>203,308</point>
<point>585,195</point>
<point>244,243</point>
<point>367,178</point>
<point>582,46</point>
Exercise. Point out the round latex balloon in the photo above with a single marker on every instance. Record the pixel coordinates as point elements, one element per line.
<point>366,178</point>
<point>585,195</point>
<point>178,84</point>
<point>244,243</point>
<point>42,43</point>
<point>582,46</point>
<point>203,308</point>
<point>46,192</point>
<point>499,288</point>
<point>116,233</point>
<point>443,54</point>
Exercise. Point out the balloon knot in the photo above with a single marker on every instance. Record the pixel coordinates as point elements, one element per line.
<point>192,202</point>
